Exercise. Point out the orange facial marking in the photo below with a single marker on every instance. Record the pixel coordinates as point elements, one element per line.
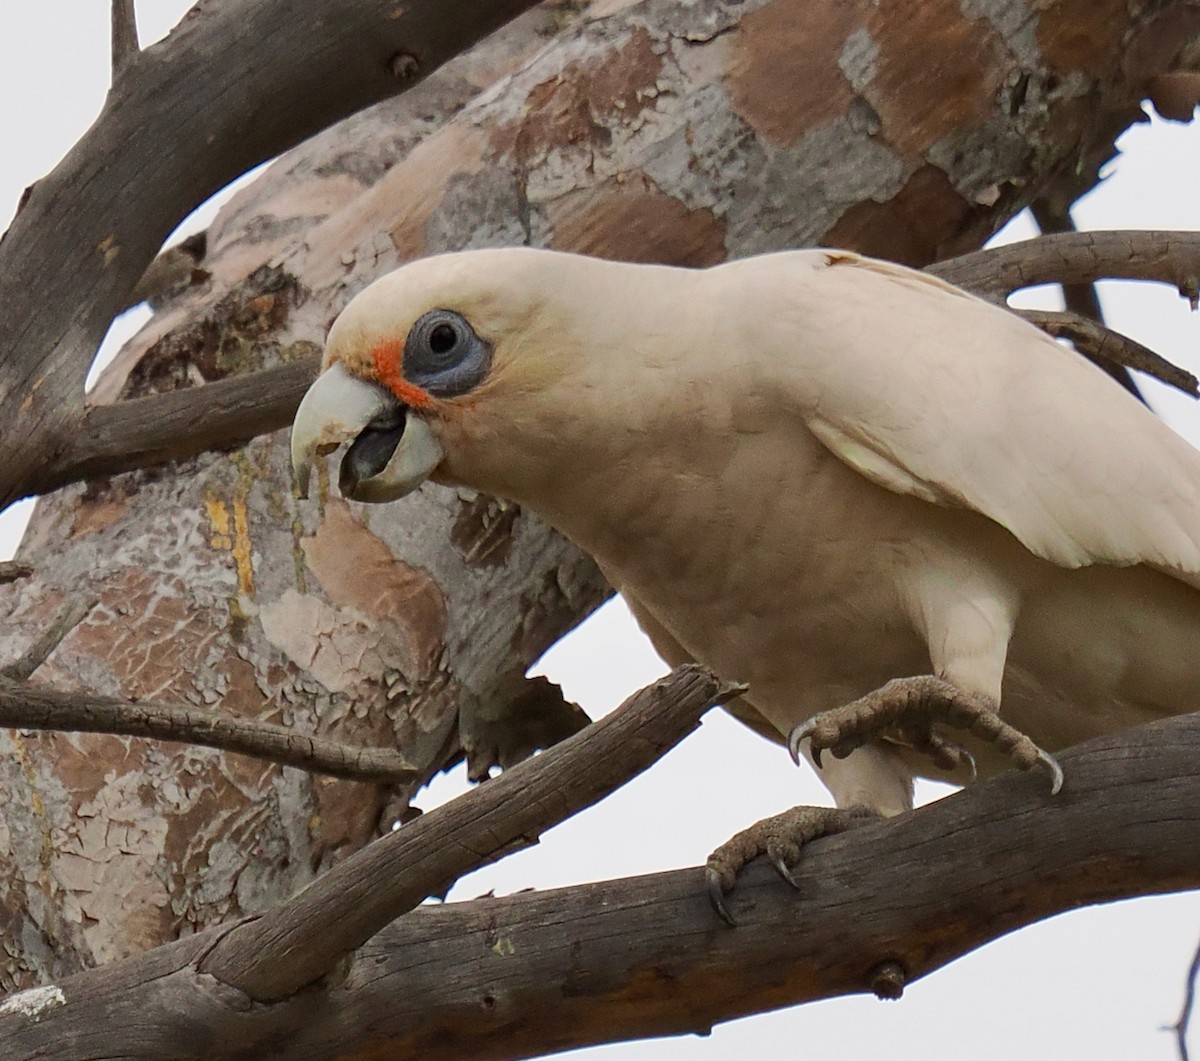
<point>389,370</point>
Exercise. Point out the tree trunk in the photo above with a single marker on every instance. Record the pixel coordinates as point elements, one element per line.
<point>646,131</point>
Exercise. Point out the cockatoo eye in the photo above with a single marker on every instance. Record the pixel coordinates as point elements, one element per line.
<point>443,355</point>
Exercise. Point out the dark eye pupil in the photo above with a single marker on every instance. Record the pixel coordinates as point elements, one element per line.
<point>442,339</point>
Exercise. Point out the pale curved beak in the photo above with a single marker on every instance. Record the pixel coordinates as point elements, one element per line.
<point>393,450</point>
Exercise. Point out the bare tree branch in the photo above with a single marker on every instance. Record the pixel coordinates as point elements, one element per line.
<point>25,706</point>
<point>1180,1027</point>
<point>298,943</point>
<point>144,432</point>
<point>125,47</point>
<point>1079,257</point>
<point>535,973</point>
<point>1105,345</point>
<point>33,657</point>
<point>1079,298</point>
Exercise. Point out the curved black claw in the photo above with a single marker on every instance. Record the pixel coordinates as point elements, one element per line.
<point>716,896</point>
<point>1048,763</point>
<point>972,766</point>
<point>799,734</point>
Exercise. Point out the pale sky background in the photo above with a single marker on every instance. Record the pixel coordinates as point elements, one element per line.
<point>1094,984</point>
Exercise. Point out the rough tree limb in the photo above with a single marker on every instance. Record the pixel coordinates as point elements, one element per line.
<point>144,432</point>
<point>292,946</point>
<point>81,240</point>
<point>539,972</point>
<point>287,949</point>
<point>125,47</point>
<point>1054,219</point>
<point>1080,258</point>
<point>25,706</point>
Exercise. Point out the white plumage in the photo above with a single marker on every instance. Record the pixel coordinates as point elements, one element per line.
<point>811,471</point>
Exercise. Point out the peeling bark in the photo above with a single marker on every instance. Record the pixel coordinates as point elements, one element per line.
<point>648,131</point>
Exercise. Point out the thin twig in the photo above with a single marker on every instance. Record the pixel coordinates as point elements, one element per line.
<point>125,47</point>
<point>37,653</point>
<point>25,706</point>
<point>301,941</point>
<point>11,570</point>
<point>1101,343</point>
<point>1053,216</point>
<point>1079,257</point>
<point>1180,1027</point>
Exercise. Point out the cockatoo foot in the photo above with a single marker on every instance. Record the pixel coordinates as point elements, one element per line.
<point>780,839</point>
<point>906,709</point>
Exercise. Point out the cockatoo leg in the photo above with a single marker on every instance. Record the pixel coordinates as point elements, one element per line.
<point>779,838</point>
<point>906,710</point>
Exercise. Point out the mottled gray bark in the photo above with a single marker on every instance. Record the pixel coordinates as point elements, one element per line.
<point>650,131</point>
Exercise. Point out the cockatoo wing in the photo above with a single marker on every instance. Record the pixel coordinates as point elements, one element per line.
<point>929,391</point>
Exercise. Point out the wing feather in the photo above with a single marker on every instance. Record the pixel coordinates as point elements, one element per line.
<point>929,391</point>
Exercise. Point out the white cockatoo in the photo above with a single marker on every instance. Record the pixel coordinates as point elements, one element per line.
<point>814,473</point>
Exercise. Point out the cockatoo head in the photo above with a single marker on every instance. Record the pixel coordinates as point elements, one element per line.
<point>422,366</point>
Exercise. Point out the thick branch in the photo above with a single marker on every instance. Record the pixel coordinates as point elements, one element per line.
<point>298,943</point>
<point>539,972</point>
<point>1104,345</point>
<point>1079,258</point>
<point>24,706</point>
<point>125,47</point>
<point>246,79</point>
<point>149,431</point>
<point>143,432</point>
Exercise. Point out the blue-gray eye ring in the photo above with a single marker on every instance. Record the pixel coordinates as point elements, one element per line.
<point>444,355</point>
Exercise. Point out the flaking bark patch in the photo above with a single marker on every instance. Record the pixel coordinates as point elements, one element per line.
<point>630,219</point>
<point>357,570</point>
<point>783,78</point>
<point>923,222</point>
<point>483,530</point>
<point>576,107</point>
<point>236,335</point>
<point>1083,35</point>
<point>937,71</point>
